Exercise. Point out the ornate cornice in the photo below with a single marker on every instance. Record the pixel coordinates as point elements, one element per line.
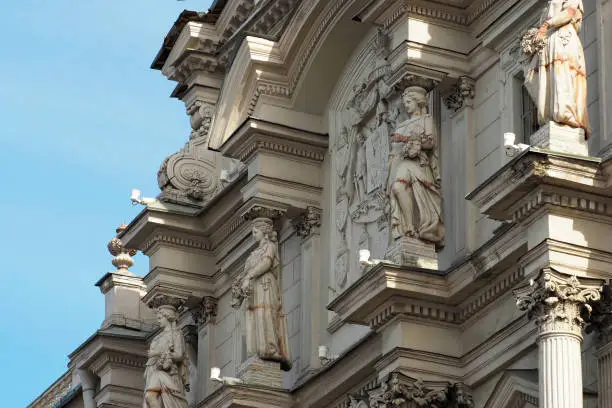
<point>116,358</point>
<point>168,238</point>
<point>557,302</point>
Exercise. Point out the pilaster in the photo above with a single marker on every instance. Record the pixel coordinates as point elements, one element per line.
<point>460,104</point>
<point>307,227</point>
<point>559,305</point>
<point>204,316</point>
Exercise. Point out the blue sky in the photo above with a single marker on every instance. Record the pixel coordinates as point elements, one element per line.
<point>83,120</point>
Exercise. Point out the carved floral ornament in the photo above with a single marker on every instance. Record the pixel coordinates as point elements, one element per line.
<point>400,391</point>
<point>462,94</point>
<point>206,311</point>
<point>557,302</point>
<point>183,178</point>
<point>309,222</point>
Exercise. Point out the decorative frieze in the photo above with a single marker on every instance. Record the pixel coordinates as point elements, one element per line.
<point>176,239</point>
<point>309,222</point>
<point>462,94</point>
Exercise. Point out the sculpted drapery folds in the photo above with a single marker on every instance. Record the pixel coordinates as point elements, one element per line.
<point>555,69</point>
<point>259,285</point>
<point>166,374</point>
<point>413,185</point>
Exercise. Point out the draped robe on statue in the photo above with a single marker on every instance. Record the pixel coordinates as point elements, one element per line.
<point>163,375</point>
<point>414,178</point>
<point>556,75</point>
<point>266,322</point>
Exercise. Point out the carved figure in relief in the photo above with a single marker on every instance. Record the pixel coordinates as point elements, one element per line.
<point>555,68</point>
<point>258,284</point>
<point>413,184</point>
<point>166,374</point>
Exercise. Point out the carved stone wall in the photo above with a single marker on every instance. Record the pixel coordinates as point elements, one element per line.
<point>370,109</point>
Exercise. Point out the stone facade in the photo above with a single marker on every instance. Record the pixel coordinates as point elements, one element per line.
<point>295,109</point>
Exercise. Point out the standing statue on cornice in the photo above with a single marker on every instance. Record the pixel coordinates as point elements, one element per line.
<point>166,375</point>
<point>259,285</point>
<point>413,184</point>
<point>555,70</point>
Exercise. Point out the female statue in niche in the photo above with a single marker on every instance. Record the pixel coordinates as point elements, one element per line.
<point>413,184</point>
<point>166,375</point>
<point>259,285</point>
<point>555,70</point>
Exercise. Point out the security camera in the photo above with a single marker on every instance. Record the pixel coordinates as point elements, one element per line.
<point>511,148</point>
<point>215,375</point>
<point>137,198</point>
<point>324,356</point>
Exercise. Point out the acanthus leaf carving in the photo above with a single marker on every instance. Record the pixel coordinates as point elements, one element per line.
<point>555,301</point>
<point>308,223</point>
<point>462,94</point>
<point>206,312</point>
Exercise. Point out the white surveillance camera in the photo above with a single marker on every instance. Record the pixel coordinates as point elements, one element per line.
<point>137,198</point>
<point>215,375</point>
<point>510,147</point>
<point>324,356</point>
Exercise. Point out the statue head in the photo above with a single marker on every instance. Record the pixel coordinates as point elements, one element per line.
<point>166,315</point>
<point>263,229</point>
<point>415,100</point>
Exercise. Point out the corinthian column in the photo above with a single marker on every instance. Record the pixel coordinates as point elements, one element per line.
<point>559,304</point>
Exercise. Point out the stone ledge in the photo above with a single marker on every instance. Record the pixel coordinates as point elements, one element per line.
<point>243,396</point>
<point>501,196</point>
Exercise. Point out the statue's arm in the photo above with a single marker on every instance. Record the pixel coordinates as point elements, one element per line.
<point>263,266</point>
<point>178,353</point>
<point>564,17</point>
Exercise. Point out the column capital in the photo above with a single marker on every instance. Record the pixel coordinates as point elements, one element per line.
<point>400,390</point>
<point>260,211</point>
<point>559,303</point>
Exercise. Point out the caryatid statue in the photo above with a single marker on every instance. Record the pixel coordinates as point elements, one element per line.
<point>259,285</point>
<point>166,374</point>
<point>413,184</point>
<point>555,68</point>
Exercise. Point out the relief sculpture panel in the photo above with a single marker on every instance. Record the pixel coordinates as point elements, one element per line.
<point>386,167</point>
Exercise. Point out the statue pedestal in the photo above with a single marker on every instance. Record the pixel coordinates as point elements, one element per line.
<point>412,252</point>
<point>559,138</point>
<point>255,371</point>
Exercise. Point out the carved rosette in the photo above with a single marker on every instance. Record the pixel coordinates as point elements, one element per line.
<point>400,391</point>
<point>206,312</point>
<point>462,94</point>
<point>558,303</point>
<point>308,223</point>
<point>186,179</point>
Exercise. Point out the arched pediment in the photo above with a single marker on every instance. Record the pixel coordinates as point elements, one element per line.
<point>516,389</point>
